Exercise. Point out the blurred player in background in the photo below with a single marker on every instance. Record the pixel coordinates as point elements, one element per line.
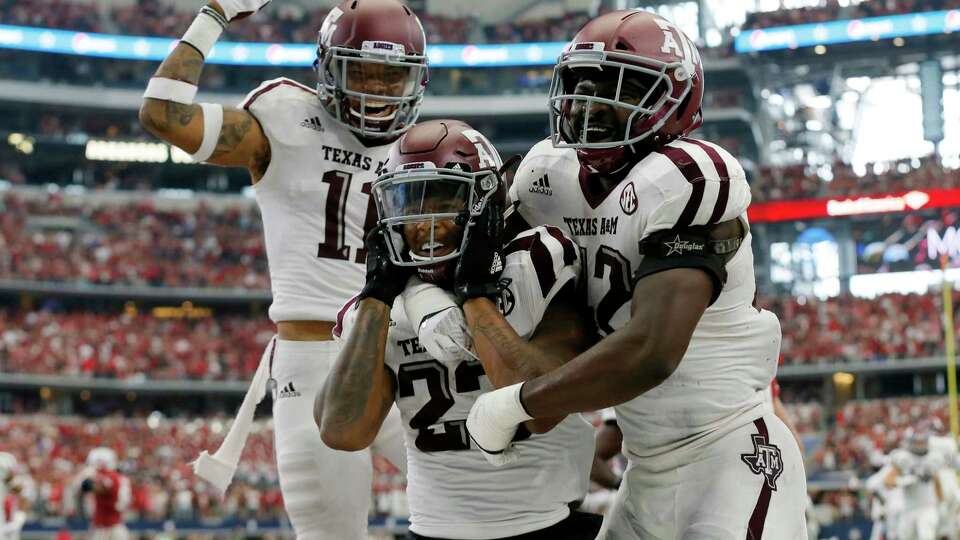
<point>110,494</point>
<point>441,219</point>
<point>943,444</point>
<point>312,156</point>
<point>12,516</point>
<point>914,469</point>
<point>686,357</point>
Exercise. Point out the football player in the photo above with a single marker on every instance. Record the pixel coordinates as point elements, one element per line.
<point>915,470</point>
<point>111,493</point>
<point>12,517</point>
<point>440,219</point>
<point>685,358</point>
<point>312,155</point>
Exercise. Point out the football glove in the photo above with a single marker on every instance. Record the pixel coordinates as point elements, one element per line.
<point>481,261</point>
<point>385,280</point>
<point>235,10</point>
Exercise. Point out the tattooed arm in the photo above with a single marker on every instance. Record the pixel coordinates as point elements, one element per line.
<point>241,142</point>
<point>357,395</point>
<point>507,358</point>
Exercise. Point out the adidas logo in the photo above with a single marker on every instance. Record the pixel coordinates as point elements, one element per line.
<point>288,391</point>
<point>542,186</point>
<point>313,123</point>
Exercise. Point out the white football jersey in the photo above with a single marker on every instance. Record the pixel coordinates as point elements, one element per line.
<point>315,202</point>
<point>922,492</point>
<point>452,490</point>
<point>732,357</point>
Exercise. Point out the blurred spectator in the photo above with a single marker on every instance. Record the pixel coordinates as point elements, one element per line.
<point>863,432</point>
<point>131,245</point>
<point>131,346</point>
<point>797,182</point>
<point>850,329</point>
<point>281,23</point>
<point>831,10</point>
<point>154,452</point>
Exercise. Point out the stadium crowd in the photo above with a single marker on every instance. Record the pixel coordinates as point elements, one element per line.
<point>850,329</point>
<point>799,182</point>
<point>131,346</point>
<point>830,10</point>
<point>154,453</point>
<point>51,452</point>
<point>134,244</point>
<point>287,23</point>
<point>862,432</point>
<point>227,347</point>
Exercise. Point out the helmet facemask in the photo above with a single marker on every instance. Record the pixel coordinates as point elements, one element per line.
<point>425,211</point>
<point>603,100</point>
<point>376,91</point>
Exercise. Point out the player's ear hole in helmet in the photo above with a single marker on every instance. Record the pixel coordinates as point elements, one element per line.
<point>443,173</point>
<point>371,67</point>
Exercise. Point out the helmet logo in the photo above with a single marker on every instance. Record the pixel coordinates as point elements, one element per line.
<point>486,153</point>
<point>669,41</point>
<point>330,25</point>
<point>682,49</point>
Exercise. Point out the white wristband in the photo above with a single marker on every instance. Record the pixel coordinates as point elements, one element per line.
<point>212,123</point>
<point>203,33</point>
<point>171,90</point>
<point>508,403</point>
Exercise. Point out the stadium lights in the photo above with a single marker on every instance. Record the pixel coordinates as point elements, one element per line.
<point>141,152</point>
<point>842,378</point>
<point>21,143</point>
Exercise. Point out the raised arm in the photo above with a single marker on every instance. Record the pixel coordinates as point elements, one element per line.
<point>208,132</point>
<point>357,395</point>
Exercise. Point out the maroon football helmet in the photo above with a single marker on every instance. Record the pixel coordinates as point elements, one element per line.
<point>372,67</point>
<point>443,172</point>
<point>627,77</point>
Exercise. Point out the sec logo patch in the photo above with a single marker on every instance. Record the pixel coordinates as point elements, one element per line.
<point>628,199</point>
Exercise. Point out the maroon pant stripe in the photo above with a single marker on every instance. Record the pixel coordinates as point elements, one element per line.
<point>759,516</point>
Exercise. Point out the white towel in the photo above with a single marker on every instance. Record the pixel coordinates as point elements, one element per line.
<point>219,468</point>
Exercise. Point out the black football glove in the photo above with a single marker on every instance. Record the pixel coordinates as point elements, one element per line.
<point>481,261</point>
<point>385,280</point>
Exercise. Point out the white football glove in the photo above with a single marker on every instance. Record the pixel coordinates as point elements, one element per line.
<point>493,421</point>
<point>441,326</point>
<point>238,9</point>
<point>444,335</point>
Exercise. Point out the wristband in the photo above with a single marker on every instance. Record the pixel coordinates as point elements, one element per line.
<point>204,32</point>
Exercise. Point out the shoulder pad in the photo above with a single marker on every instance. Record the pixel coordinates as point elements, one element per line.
<point>275,89</point>
<point>538,264</point>
<point>689,182</point>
